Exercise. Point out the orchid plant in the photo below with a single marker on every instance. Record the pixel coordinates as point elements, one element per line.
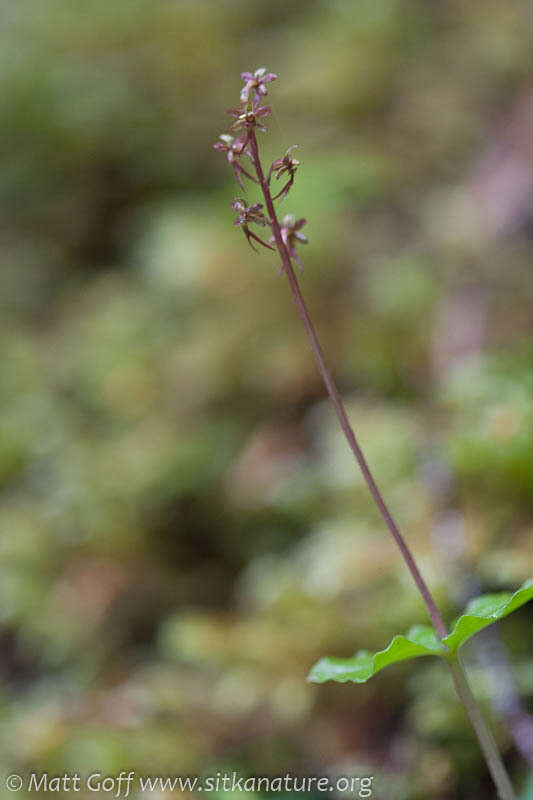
<point>286,236</point>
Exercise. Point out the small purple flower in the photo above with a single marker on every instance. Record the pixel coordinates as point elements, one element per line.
<point>234,149</point>
<point>248,115</point>
<point>246,216</point>
<point>256,83</point>
<point>232,146</point>
<point>287,165</point>
<point>290,233</point>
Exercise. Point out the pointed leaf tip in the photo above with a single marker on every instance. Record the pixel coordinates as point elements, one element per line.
<point>486,610</point>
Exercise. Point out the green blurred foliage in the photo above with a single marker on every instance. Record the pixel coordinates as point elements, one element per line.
<point>184,532</point>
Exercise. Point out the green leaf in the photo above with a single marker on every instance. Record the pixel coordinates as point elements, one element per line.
<point>484,611</point>
<point>422,639</point>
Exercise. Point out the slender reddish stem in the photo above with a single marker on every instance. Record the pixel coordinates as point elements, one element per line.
<point>486,740</point>
<point>337,401</point>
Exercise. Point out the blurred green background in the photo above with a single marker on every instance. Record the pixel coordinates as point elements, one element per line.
<point>183,530</point>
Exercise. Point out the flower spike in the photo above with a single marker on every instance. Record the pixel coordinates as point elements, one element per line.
<point>249,118</point>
